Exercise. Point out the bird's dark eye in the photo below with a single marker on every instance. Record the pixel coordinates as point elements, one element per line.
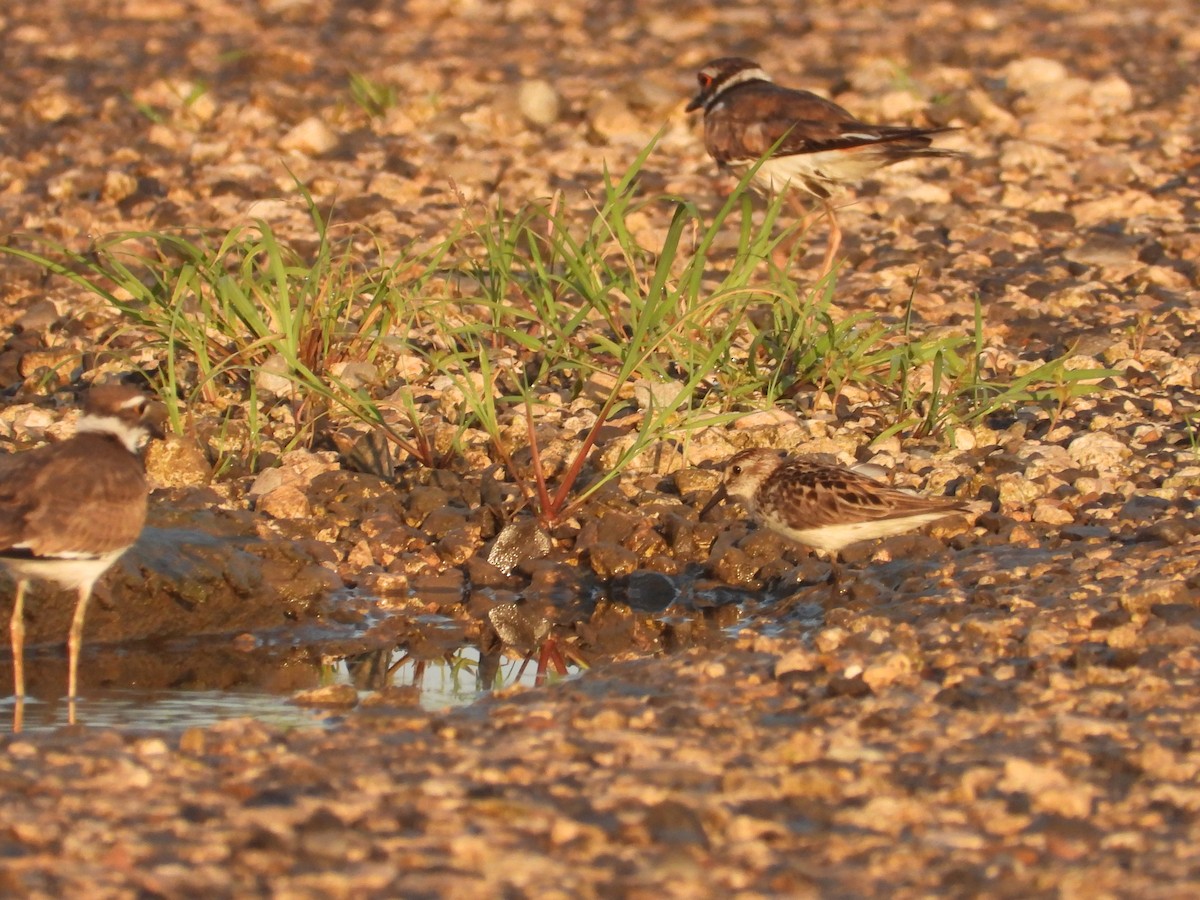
<point>705,79</point>
<point>735,470</point>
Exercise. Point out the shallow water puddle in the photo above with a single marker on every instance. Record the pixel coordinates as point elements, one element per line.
<point>455,680</point>
<point>171,685</point>
<point>138,710</point>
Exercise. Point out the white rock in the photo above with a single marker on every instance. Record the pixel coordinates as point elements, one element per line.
<point>796,660</point>
<point>1033,73</point>
<point>297,468</point>
<point>887,669</point>
<point>1112,94</point>
<point>538,101</point>
<point>1097,449</point>
<point>1051,512</point>
<point>656,395</point>
<point>612,119</point>
<point>271,377</point>
<point>268,480</point>
<point>355,374</point>
<point>311,137</point>
<point>764,418</point>
<point>1048,788</point>
<point>1017,491</point>
<point>1036,159</point>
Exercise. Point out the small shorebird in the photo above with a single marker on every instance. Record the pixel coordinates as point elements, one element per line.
<point>823,507</point>
<point>816,146</point>
<point>69,510</point>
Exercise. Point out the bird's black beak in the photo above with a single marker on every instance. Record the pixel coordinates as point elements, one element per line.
<point>718,495</point>
<point>697,102</point>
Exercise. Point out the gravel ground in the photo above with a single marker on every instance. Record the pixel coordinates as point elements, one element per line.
<point>999,708</point>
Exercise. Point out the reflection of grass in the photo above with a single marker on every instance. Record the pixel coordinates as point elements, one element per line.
<point>521,316</point>
<point>454,681</point>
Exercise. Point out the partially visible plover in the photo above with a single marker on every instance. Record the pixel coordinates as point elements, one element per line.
<point>69,510</point>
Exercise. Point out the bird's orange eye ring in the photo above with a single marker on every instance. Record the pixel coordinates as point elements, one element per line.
<point>705,79</point>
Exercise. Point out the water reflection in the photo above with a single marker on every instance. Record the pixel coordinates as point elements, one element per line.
<point>453,679</point>
<point>136,710</point>
<point>444,661</point>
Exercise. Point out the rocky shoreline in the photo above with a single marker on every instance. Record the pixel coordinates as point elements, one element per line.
<point>1000,707</point>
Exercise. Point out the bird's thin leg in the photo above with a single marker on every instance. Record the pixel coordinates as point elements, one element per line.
<point>74,643</point>
<point>804,215</point>
<point>804,221</point>
<point>16,628</point>
<point>836,581</point>
<point>835,239</point>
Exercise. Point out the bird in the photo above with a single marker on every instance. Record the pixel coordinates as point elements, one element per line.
<point>825,507</point>
<point>68,510</point>
<point>815,146</point>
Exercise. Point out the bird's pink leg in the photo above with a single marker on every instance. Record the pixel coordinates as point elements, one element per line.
<point>835,239</point>
<point>16,629</point>
<point>74,643</point>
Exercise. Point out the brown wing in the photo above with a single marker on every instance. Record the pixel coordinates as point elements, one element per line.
<point>831,495</point>
<point>15,505</point>
<point>94,496</point>
<point>753,116</point>
<point>756,115</point>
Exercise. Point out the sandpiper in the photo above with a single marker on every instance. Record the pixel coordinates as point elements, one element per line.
<point>821,506</point>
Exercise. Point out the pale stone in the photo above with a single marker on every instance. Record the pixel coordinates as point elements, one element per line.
<point>1112,94</point>
<point>286,502</point>
<point>539,102</point>
<point>656,395</point>
<point>176,462</point>
<point>798,660</point>
<point>118,186</point>
<point>1033,72</point>
<point>887,669</point>
<point>1051,512</point>
<point>1103,451</point>
<point>271,377</point>
<point>311,137</point>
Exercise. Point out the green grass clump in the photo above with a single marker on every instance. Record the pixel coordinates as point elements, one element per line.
<point>558,304</point>
<point>521,311</point>
<point>218,312</point>
<point>372,97</point>
<point>962,391</point>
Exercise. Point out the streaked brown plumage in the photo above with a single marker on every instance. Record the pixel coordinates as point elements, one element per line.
<point>824,507</point>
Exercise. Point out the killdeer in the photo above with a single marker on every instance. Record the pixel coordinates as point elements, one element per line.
<point>824,507</point>
<point>69,510</point>
<point>816,146</point>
